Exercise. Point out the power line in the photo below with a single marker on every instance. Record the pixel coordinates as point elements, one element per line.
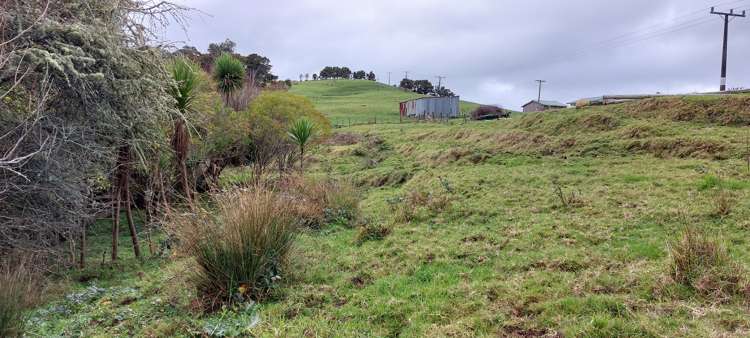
<point>647,34</point>
<point>723,85</point>
<point>660,25</point>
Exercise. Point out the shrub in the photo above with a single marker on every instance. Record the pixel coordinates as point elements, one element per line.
<point>372,232</point>
<point>704,265</point>
<point>489,113</point>
<point>283,108</point>
<point>241,252</point>
<point>723,203</point>
<point>19,291</point>
<point>320,202</point>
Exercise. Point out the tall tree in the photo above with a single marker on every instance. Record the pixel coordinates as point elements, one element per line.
<point>423,87</point>
<point>371,76</point>
<point>345,73</point>
<point>217,49</point>
<point>407,84</point>
<point>442,91</point>
<point>260,66</point>
<point>183,91</point>
<point>360,75</point>
<point>85,113</point>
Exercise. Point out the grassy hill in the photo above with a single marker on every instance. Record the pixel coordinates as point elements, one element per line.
<point>548,224</point>
<point>359,101</point>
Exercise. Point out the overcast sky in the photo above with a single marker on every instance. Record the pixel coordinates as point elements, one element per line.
<point>491,51</point>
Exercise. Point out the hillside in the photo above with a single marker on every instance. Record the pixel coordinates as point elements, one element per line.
<point>358,101</point>
<point>547,224</point>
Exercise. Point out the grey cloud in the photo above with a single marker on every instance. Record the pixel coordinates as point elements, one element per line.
<point>491,51</point>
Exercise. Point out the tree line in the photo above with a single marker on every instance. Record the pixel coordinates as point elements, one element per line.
<point>332,73</point>
<point>424,87</point>
<point>141,127</point>
<point>257,67</point>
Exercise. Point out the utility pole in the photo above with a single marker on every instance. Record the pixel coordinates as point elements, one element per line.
<point>539,97</point>
<point>406,74</point>
<point>440,80</point>
<point>723,86</point>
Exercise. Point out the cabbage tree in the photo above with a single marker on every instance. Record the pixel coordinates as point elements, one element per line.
<point>301,132</point>
<point>229,73</point>
<point>185,76</point>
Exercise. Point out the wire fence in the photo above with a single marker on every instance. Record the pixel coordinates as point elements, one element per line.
<point>373,120</point>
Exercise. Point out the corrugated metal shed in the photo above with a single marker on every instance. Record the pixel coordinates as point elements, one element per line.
<point>547,103</point>
<point>431,107</point>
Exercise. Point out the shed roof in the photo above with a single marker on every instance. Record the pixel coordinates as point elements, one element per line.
<point>547,103</point>
<point>431,98</point>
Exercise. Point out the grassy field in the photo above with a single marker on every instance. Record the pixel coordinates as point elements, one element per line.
<point>546,224</point>
<point>359,101</point>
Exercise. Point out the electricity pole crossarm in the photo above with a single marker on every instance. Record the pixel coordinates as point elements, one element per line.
<point>440,81</point>
<point>723,86</point>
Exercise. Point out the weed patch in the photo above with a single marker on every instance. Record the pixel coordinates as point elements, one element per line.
<point>372,232</point>
<point>20,289</point>
<point>680,147</point>
<point>726,111</point>
<point>316,203</point>
<point>703,264</point>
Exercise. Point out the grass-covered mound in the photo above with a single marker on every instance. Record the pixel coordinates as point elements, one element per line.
<point>359,101</point>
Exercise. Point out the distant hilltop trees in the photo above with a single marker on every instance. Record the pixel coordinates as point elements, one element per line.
<point>424,87</point>
<point>332,73</point>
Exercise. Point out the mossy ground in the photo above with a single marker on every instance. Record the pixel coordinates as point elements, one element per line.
<point>480,242</point>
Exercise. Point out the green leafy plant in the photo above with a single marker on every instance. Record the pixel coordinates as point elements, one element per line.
<point>185,76</point>
<point>301,132</point>
<point>229,73</point>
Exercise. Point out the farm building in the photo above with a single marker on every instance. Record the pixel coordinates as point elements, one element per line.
<point>431,107</point>
<point>534,106</point>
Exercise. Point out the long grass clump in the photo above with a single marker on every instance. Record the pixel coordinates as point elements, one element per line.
<point>703,264</point>
<point>20,290</point>
<point>242,251</point>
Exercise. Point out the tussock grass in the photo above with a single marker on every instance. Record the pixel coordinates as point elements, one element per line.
<point>20,289</point>
<point>241,253</point>
<point>703,264</point>
<point>372,232</point>
<point>317,202</point>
